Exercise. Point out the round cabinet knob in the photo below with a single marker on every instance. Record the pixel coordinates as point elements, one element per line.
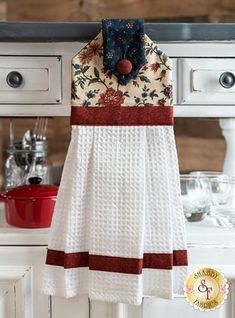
<point>14,79</point>
<point>227,79</point>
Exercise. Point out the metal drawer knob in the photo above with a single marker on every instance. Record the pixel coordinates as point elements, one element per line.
<point>14,79</point>
<point>227,79</point>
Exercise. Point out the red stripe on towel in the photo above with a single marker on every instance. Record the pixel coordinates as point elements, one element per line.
<point>122,116</point>
<point>159,261</point>
<point>67,260</point>
<point>117,264</point>
<point>180,258</point>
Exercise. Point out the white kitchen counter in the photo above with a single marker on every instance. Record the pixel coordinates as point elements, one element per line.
<point>207,244</point>
<point>10,235</point>
<point>198,234</point>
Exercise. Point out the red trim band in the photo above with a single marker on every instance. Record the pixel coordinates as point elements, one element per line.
<point>180,258</point>
<point>69,260</point>
<point>117,264</point>
<point>122,116</point>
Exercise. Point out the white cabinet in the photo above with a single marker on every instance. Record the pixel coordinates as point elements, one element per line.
<point>30,80</point>
<point>77,307</point>
<point>16,291</point>
<point>3,301</point>
<point>20,278</point>
<point>45,91</point>
<point>35,80</point>
<point>22,257</point>
<point>199,81</point>
<point>158,308</point>
<point>46,73</point>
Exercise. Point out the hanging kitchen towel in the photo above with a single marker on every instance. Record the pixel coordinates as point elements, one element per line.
<point>118,228</point>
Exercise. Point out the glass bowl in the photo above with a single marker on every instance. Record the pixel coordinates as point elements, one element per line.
<point>196,197</point>
<point>223,195</point>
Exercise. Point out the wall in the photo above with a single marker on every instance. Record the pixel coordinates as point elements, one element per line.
<point>95,10</point>
<point>200,144</point>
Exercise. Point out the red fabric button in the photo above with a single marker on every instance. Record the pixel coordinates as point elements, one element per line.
<point>124,66</point>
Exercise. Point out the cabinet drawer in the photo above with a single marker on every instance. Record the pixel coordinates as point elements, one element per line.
<point>201,80</point>
<point>30,80</point>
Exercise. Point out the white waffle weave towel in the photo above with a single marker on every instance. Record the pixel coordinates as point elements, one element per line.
<point>118,228</point>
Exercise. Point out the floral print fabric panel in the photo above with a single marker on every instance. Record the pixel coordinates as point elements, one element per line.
<point>95,85</point>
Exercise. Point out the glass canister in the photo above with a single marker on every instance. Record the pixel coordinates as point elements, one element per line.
<point>22,164</point>
<point>13,171</point>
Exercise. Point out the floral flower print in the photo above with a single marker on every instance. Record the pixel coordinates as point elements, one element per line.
<point>106,72</point>
<point>77,66</point>
<point>94,49</point>
<point>74,91</point>
<point>168,91</point>
<point>154,67</point>
<point>90,94</point>
<point>110,55</point>
<point>161,102</point>
<point>151,48</point>
<point>135,83</point>
<point>94,84</point>
<point>153,94</point>
<point>111,97</point>
<point>85,56</point>
<point>129,25</point>
<point>144,97</point>
<point>86,103</point>
<point>144,68</point>
<point>162,75</point>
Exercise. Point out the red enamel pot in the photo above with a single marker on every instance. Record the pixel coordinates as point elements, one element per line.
<point>30,206</point>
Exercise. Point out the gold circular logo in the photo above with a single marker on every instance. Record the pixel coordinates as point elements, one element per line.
<point>206,289</point>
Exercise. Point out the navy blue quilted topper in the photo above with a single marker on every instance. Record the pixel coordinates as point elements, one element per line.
<point>124,50</point>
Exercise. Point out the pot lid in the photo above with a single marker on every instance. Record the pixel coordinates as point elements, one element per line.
<point>33,190</point>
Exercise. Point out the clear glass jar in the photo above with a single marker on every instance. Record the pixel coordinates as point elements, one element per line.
<point>22,164</point>
<point>13,172</point>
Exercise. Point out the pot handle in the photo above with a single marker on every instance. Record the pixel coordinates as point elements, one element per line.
<point>2,197</point>
<point>35,180</point>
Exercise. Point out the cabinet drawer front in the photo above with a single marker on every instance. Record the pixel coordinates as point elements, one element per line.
<point>39,80</point>
<point>199,81</point>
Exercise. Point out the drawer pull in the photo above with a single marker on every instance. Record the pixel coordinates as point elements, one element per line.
<point>227,79</point>
<point>14,79</point>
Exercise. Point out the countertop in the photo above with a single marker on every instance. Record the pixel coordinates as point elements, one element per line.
<point>85,31</point>
<point>198,234</point>
<point>208,245</point>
